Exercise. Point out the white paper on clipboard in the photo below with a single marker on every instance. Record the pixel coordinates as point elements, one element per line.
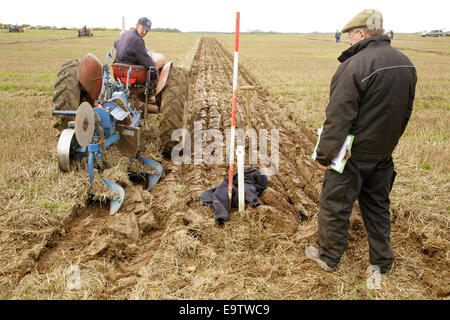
<point>338,163</point>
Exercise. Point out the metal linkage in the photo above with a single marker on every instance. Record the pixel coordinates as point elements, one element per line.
<point>96,129</point>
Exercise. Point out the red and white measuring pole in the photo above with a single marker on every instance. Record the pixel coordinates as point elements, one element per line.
<point>233,112</point>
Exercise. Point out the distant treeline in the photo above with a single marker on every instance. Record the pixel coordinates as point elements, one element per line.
<point>27,26</point>
<point>242,32</point>
<point>260,31</point>
<point>166,30</point>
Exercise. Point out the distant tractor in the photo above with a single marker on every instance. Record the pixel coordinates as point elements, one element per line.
<point>85,32</point>
<point>15,28</point>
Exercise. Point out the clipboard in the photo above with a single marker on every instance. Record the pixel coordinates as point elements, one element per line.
<point>338,163</point>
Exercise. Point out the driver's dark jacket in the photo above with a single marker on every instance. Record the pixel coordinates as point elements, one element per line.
<point>130,49</point>
<point>371,97</point>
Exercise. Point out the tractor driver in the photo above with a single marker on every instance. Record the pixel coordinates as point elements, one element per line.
<point>130,48</point>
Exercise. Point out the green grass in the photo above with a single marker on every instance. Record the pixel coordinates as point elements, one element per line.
<point>426,166</point>
<point>14,184</point>
<point>6,86</point>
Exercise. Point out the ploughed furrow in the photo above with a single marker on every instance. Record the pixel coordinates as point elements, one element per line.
<point>294,189</point>
<point>295,147</point>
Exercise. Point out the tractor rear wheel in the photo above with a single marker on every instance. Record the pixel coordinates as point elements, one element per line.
<point>67,90</point>
<point>174,107</point>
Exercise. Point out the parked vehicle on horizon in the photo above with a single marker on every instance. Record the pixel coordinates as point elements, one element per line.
<point>433,33</point>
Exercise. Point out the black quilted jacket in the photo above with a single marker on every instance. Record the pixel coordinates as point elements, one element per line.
<point>371,97</point>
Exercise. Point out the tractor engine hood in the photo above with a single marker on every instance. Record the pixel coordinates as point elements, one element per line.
<point>90,75</point>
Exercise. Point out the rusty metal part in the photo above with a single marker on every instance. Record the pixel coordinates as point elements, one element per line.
<point>84,124</point>
<point>152,108</point>
<point>163,76</point>
<point>102,135</point>
<point>140,105</point>
<point>90,75</point>
<point>145,109</point>
<point>129,140</point>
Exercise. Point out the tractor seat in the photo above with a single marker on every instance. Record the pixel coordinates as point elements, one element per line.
<point>138,73</point>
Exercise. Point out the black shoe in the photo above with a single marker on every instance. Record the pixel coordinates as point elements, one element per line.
<point>388,271</point>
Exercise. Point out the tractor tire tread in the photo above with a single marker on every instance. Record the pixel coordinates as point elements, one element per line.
<point>173,107</point>
<point>67,88</point>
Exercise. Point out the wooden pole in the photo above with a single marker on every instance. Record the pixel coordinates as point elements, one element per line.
<point>247,95</point>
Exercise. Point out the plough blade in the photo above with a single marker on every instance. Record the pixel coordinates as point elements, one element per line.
<point>115,203</point>
<point>152,178</point>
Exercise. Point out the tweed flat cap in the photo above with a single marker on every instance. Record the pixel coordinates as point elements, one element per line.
<point>369,18</point>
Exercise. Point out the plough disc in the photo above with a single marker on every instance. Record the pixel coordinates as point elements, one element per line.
<point>84,124</point>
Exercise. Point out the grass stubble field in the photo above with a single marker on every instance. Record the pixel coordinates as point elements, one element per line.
<point>247,259</point>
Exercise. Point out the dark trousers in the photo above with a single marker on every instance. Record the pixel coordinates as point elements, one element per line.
<point>370,183</point>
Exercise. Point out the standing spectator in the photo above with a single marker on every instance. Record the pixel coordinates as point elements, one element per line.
<point>337,35</point>
<point>371,97</point>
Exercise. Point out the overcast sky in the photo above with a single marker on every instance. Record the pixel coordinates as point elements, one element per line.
<point>219,16</point>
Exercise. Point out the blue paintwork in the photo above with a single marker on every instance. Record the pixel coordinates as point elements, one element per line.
<point>91,167</point>
<point>115,203</point>
<point>106,122</point>
<point>106,72</point>
<point>121,94</point>
<point>109,114</point>
<point>152,178</point>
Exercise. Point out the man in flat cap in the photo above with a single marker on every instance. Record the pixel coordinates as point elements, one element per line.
<point>371,98</point>
<point>130,48</point>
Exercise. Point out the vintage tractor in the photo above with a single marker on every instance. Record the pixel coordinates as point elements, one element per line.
<point>85,32</point>
<point>108,110</point>
<point>15,28</point>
